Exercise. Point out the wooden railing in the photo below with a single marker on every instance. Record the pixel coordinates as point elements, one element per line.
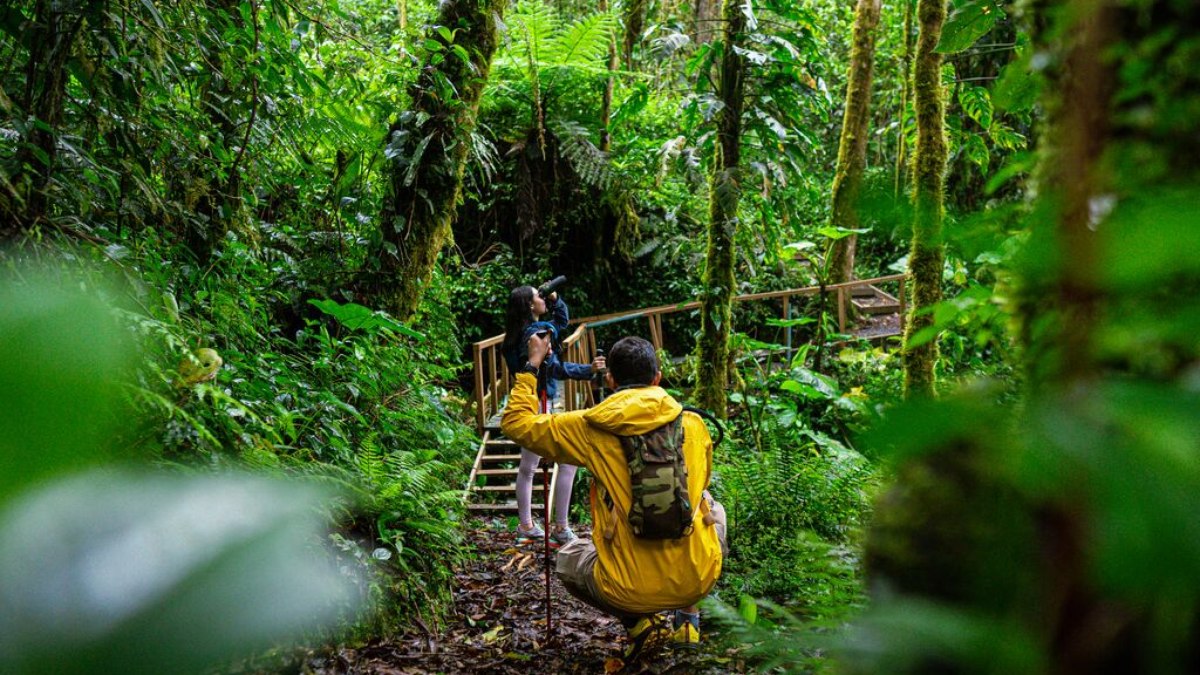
<point>493,381</point>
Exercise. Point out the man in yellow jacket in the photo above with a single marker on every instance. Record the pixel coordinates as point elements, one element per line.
<point>616,571</point>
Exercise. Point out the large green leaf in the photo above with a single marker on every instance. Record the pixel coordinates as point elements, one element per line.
<point>62,357</point>
<point>968,22</point>
<point>357,317</point>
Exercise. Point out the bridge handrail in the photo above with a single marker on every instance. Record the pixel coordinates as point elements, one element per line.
<point>581,342</point>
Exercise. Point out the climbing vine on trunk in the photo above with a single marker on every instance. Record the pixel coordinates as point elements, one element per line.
<point>427,148</point>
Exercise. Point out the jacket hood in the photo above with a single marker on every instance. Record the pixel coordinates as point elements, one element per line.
<point>635,411</point>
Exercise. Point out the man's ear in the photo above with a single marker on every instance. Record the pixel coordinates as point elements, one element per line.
<point>657,379</point>
<point>609,381</point>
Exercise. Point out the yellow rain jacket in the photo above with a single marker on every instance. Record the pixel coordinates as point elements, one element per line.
<point>638,575</point>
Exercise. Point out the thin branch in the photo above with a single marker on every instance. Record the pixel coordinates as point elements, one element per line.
<point>253,95</point>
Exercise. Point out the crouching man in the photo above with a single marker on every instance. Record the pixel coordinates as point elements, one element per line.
<point>658,536</point>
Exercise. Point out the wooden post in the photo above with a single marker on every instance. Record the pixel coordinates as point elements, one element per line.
<point>495,381</point>
<point>841,302</point>
<point>480,415</point>
<point>902,306</point>
<point>787,314</point>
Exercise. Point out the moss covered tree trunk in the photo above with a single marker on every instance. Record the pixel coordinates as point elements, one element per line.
<point>905,97</point>
<point>716,303</point>
<point>1070,175</point>
<point>24,202</point>
<point>925,259</point>
<point>427,150</point>
<point>856,130</point>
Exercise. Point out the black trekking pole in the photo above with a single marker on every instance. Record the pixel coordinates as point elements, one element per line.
<point>600,374</point>
<point>546,539</point>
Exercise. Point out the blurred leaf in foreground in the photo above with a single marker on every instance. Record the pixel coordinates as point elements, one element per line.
<point>128,573</point>
<point>62,356</point>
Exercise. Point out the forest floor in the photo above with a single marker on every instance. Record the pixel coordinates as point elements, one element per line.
<point>498,625</point>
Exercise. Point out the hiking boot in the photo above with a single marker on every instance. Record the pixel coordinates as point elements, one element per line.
<point>647,635</point>
<point>685,632</point>
<point>534,533</point>
<point>561,535</point>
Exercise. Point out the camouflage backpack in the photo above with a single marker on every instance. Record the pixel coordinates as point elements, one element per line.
<point>661,506</point>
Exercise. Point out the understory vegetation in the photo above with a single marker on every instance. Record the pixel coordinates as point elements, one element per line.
<point>248,245</point>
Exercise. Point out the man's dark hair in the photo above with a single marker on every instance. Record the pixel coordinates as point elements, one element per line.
<point>632,361</point>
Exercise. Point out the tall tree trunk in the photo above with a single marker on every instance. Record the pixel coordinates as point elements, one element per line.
<point>55,28</point>
<point>635,23</point>
<point>905,97</point>
<point>926,258</point>
<point>856,130</point>
<point>716,316</point>
<point>1070,174</point>
<point>705,19</point>
<point>606,102</point>
<point>428,147</point>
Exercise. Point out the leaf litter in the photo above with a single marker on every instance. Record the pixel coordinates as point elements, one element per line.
<point>498,625</point>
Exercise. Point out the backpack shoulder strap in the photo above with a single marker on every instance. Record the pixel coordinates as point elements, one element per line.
<point>711,418</point>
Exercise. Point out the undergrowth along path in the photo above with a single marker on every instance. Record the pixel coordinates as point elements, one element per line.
<point>498,625</point>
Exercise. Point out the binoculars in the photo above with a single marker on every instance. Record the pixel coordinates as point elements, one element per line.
<point>550,286</point>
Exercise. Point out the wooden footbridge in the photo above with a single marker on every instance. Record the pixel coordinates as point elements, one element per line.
<point>492,483</point>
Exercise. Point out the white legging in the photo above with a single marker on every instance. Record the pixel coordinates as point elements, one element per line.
<point>562,487</point>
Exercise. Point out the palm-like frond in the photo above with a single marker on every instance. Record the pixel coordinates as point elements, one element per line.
<point>576,146</point>
<point>583,44</point>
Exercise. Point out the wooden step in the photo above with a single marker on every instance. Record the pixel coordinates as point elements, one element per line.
<point>501,506</point>
<point>496,472</point>
<point>510,487</point>
<point>500,458</point>
<point>502,444</point>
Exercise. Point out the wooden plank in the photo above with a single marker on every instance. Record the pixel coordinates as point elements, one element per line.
<point>480,413</point>
<point>841,309</point>
<point>499,506</point>
<point>496,472</point>
<point>511,487</point>
<point>501,458</point>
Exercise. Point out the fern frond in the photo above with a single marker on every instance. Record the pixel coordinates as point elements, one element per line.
<point>530,27</point>
<point>584,43</point>
<point>588,161</point>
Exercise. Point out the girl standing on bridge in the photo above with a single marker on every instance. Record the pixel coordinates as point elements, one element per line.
<point>525,306</point>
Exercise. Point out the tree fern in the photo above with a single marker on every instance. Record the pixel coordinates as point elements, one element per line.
<point>576,147</point>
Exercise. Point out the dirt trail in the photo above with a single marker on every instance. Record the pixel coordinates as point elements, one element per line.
<point>498,625</point>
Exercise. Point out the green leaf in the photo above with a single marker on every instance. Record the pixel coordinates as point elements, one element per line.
<point>62,359</point>
<point>357,317</point>
<point>968,22</point>
<point>977,103</point>
<point>748,609</point>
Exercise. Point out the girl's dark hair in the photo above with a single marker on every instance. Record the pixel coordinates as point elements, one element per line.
<point>518,315</point>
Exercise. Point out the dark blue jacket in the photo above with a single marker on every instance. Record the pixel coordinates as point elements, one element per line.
<point>553,369</point>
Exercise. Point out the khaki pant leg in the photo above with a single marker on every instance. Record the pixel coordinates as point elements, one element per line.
<point>575,566</point>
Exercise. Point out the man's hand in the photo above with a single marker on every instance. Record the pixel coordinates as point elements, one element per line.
<point>539,349</point>
<point>598,365</point>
